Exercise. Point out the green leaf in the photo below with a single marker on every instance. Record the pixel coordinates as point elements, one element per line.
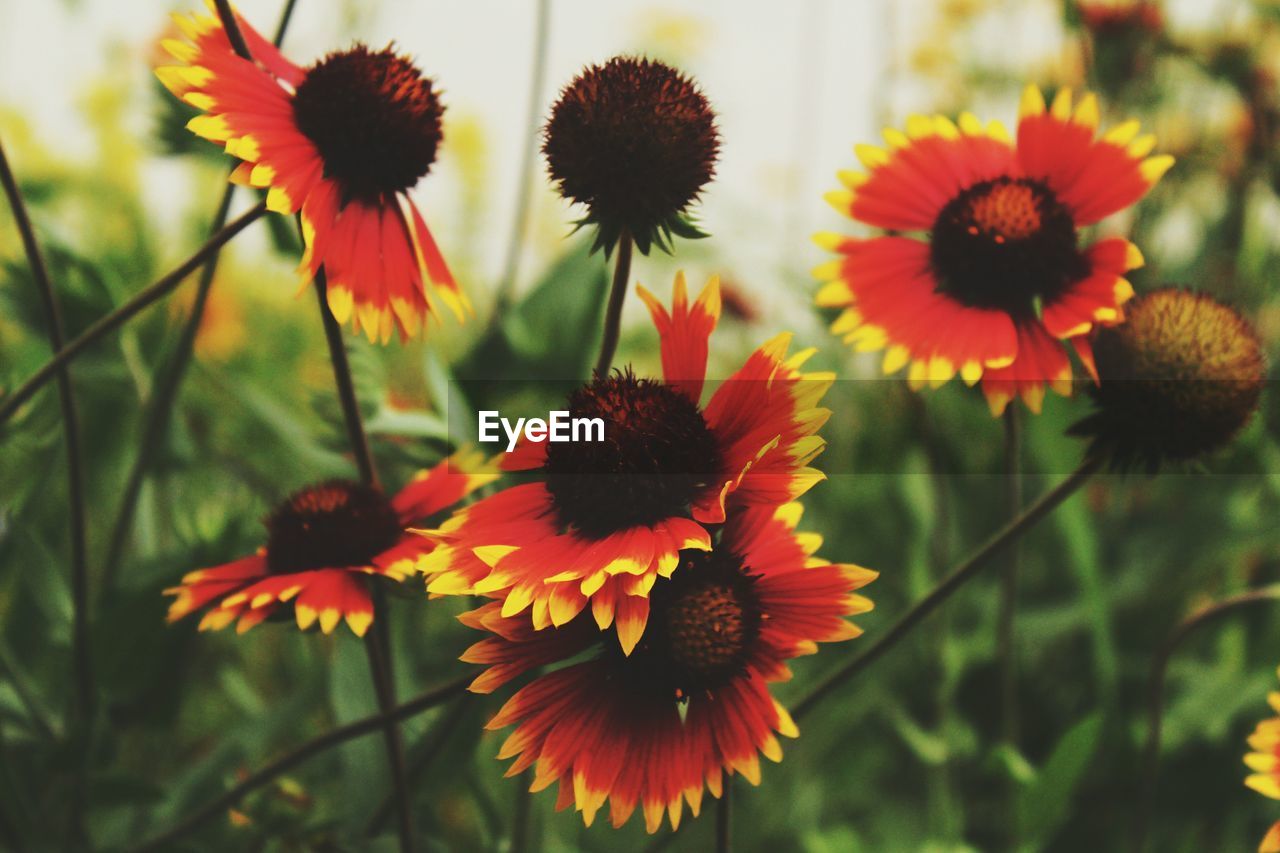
<point>1080,543</point>
<point>409,424</point>
<point>1013,763</point>
<point>1046,802</point>
<point>364,760</point>
<point>448,396</point>
<point>553,332</point>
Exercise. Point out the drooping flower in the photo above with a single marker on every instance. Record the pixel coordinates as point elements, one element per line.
<point>325,543</point>
<point>604,520</point>
<point>994,282</point>
<point>1177,380</point>
<point>341,143</point>
<point>691,702</point>
<point>1264,761</point>
<point>635,141</point>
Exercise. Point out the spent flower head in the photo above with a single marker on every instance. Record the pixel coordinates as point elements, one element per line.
<point>1177,381</point>
<point>635,141</point>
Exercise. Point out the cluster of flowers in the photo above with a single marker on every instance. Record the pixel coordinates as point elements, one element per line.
<point>650,587</point>
<point>666,560</point>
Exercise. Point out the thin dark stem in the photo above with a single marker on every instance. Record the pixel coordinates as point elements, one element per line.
<point>521,821</point>
<point>724,818</point>
<point>82,661</point>
<point>1005,643</point>
<point>385,690</point>
<point>429,751</point>
<point>617,298</point>
<point>346,388</point>
<point>71,431</point>
<point>306,751</point>
<point>970,567</point>
<point>1156,688</point>
<point>376,642</point>
<point>232,29</point>
<point>524,189</point>
<point>159,409</point>
<point>169,379</point>
<point>286,15</point>
<point>125,312</point>
<point>1006,629</point>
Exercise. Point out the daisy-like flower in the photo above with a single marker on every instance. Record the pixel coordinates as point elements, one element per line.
<point>1264,761</point>
<point>604,520</point>
<point>340,142</point>
<point>691,702</point>
<point>993,281</point>
<point>324,545</point>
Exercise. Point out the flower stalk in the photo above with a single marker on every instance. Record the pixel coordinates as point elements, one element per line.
<point>303,753</point>
<point>126,312</point>
<point>82,661</point>
<point>168,381</point>
<point>969,568</point>
<point>1006,636</point>
<point>377,646</point>
<point>617,298</point>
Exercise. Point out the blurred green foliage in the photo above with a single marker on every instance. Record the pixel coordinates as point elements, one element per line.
<point>905,758</point>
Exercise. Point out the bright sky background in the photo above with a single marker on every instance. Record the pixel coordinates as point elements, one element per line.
<point>795,85</point>
<point>792,82</point>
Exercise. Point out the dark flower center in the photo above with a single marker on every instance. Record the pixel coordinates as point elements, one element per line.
<point>1006,244</point>
<point>703,624</point>
<point>330,525</point>
<point>657,454</point>
<point>374,118</point>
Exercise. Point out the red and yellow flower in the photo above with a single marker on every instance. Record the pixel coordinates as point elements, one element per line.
<point>324,544</point>
<point>341,143</point>
<point>691,702</point>
<point>994,282</point>
<point>1264,761</point>
<point>605,520</point>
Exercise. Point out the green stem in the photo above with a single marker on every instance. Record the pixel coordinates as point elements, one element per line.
<point>724,818</point>
<point>617,298</point>
<point>308,750</point>
<point>1009,586</point>
<point>377,646</point>
<point>1006,644</point>
<point>969,568</point>
<point>384,687</point>
<point>159,409</point>
<point>428,751</point>
<point>522,819</point>
<point>356,436</point>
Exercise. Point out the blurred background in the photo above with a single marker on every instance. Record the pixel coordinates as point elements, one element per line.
<point>908,757</point>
